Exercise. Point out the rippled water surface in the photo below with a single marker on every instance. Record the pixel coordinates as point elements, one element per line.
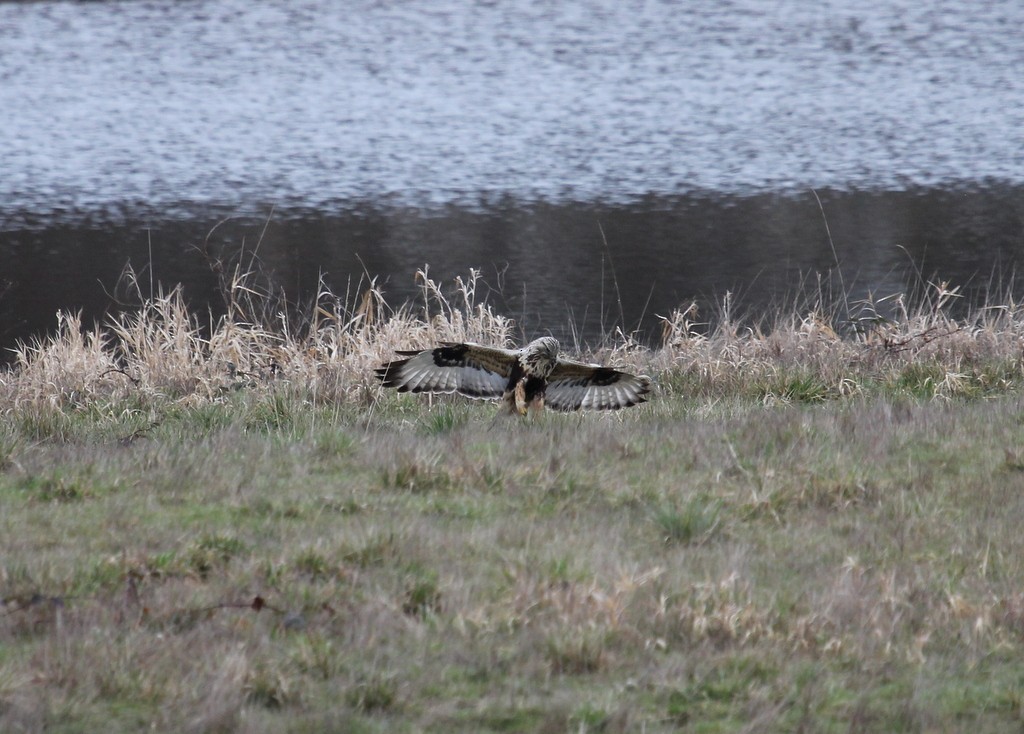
<point>386,132</point>
<point>309,103</point>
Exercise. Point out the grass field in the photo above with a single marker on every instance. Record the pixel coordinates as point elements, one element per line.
<point>235,530</point>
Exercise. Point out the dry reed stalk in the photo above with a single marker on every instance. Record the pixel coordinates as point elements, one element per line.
<point>162,350</point>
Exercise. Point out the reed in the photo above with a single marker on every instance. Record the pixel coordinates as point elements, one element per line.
<point>161,351</point>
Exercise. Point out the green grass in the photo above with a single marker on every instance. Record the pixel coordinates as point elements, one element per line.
<point>241,531</point>
<point>849,564</point>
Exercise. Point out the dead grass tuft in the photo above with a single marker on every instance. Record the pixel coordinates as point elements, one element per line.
<point>161,351</point>
<point>807,357</point>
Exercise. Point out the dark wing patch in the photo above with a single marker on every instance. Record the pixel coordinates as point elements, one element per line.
<point>469,369</point>
<point>576,386</point>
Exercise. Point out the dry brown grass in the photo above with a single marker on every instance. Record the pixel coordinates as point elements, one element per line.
<point>162,350</point>
<point>954,352</point>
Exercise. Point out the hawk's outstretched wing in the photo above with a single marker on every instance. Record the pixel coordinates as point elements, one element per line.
<point>470,369</point>
<point>573,386</point>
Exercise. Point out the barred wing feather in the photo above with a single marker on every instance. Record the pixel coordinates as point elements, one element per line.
<point>576,386</point>
<point>469,369</point>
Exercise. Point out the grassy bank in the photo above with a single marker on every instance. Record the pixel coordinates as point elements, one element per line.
<point>811,527</point>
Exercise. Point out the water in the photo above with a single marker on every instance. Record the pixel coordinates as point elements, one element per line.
<point>506,136</point>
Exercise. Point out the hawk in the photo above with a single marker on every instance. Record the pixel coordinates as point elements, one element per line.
<point>527,378</point>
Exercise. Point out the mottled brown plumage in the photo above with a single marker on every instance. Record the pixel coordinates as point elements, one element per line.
<point>526,378</point>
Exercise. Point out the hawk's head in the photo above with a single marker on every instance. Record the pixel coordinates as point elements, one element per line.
<point>540,356</point>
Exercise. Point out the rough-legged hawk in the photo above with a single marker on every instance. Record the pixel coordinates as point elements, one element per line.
<point>531,377</point>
